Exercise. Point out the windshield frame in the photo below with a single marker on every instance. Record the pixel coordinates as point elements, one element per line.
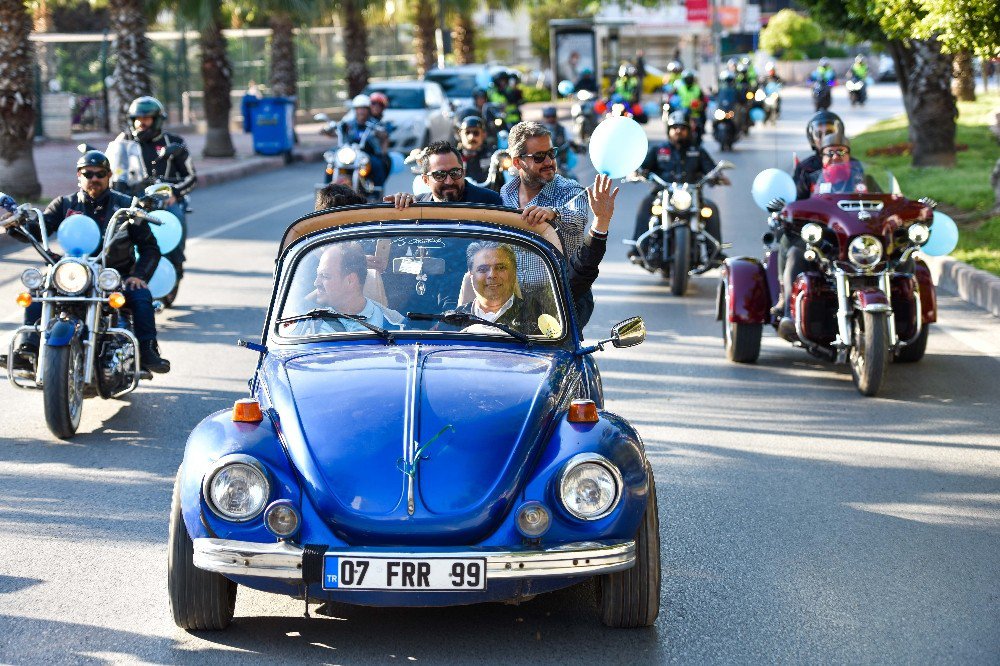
<point>290,259</point>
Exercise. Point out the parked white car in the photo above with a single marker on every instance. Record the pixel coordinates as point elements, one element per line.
<point>418,112</point>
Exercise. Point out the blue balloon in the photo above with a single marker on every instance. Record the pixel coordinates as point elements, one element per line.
<point>772,184</point>
<point>164,278</point>
<point>651,109</point>
<point>502,140</point>
<point>944,236</point>
<point>483,79</point>
<point>618,146</point>
<point>571,159</point>
<point>757,114</point>
<point>168,234</point>
<point>565,88</point>
<point>398,164</point>
<point>79,235</point>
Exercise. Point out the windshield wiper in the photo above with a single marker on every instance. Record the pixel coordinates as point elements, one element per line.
<point>330,313</point>
<point>455,318</point>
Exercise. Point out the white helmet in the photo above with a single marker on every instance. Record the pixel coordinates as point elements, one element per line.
<point>361,100</point>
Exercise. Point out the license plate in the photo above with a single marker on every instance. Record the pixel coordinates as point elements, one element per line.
<point>403,573</point>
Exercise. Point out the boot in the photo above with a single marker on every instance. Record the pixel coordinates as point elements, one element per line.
<point>786,330</point>
<point>150,359</point>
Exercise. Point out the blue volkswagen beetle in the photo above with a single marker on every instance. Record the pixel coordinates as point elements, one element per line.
<point>424,428</point>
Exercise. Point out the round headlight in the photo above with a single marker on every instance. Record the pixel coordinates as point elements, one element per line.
<point>282,519</point>
<point>533,520</point>
<point>109,279</point>
<point>918,233</point>
<point>865,251</point>
<point>720,114</point>
<point>812,233</point>
<point>329,156</point>
<point>32,278</point>
<point>237,490</point>
<point>590,486</point>
<point>71,277</point>
<point>347,155</point>
<point>680,199</point>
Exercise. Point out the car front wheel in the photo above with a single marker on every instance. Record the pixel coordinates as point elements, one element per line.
<point>199,600</point>
<point>631,598</point>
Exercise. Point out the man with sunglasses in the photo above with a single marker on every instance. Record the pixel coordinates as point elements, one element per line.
<point>472,143</point>
<point>442,171</point>
<point>97,200</point>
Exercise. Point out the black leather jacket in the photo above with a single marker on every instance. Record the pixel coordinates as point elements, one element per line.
<point>178,169</point>
<point>121,255</point>
<point>678,164</point>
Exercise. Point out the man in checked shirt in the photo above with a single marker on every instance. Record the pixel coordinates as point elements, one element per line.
<point>545,198</point>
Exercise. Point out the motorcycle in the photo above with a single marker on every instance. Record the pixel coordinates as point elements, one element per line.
<point>857,90</point>
<point>677,243</point>
<point>584,116</point>
<point>772,102</point>
<point>348,163</point>
<point>499,173</point>
<point>865,298</point>
<point>822,95</point>
<point>86,345</point>
<point>725,129</point>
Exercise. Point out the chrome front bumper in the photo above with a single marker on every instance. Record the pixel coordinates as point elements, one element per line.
<point>283,561</point>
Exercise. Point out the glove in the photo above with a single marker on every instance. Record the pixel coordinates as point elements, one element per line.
<point>927,201</point>
<point>7,203</point>
<point>775,204</point>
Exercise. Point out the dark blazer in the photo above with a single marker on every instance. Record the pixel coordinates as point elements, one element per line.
<point>522,315</point>
<point>472,194</point>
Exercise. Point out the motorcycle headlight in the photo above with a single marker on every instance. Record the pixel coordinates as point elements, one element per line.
<point>812,233</point>
<point>329,157</point>
<point>918,233</point>
<point>71,277</point>
<point>720,114</point>
<point>237,488</point>
<point>865,251</point>
<point>680,199</point>
<point>576,110</point>
<point>590,486</point>
<point>347,155</point>
<point>32,278</point>
<point>759,95</point>
<point>109,279</point>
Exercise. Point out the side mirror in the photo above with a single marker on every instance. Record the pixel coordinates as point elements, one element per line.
<point>321,118</point>
<point>159,189</point>
<point>726,164</point>
<point>628,333</point>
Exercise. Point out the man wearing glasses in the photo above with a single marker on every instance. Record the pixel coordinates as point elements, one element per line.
<point>442,171</point>
<point>97,200</point>
<point>475,154</point>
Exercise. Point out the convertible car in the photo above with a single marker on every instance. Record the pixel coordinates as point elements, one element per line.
<point>424,428</point>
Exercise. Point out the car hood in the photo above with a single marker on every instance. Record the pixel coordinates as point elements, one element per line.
<point>355,419</point>
<point>406,117</point>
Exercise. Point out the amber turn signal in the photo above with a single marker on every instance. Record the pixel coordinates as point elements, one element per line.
<point>24,299</point>
<point>365,170</point>
<point>582,411</point>
<point>116,299</point>
<point>247,410</point>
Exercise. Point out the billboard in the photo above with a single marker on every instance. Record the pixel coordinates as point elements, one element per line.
<point>576,50</point>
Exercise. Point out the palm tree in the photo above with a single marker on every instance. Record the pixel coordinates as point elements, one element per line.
<point>463,31</point>
<point>355,45</point>
<point>18,104</point>
<point>424,18</point>
<point>132,67</point>
<point>216,74</point>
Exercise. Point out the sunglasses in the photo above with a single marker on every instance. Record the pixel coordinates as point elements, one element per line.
<point>541,155</point>
<point>90,175</point>
<point>836,152</point>
<point>471,132</point>
<point>455,174</point>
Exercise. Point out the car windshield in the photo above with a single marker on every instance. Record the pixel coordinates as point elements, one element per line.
<point>401,98</point>
<point>455,84</point>
<point>440,283</point>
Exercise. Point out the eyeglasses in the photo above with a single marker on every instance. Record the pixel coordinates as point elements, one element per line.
<point>836,152</point>
<point>90,175</point>
<point>441,175</point>
<point>471,132</point>
<point>541,155</point>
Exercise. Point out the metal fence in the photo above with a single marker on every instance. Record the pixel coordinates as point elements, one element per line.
<point>81,64</point>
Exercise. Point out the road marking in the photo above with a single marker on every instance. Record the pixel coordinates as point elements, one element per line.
<point>250,218</point>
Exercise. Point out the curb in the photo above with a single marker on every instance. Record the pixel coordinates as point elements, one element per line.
<point>972,285</point>
<point>258,165</point>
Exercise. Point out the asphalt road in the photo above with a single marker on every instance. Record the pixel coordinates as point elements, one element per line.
<point>800,521</point>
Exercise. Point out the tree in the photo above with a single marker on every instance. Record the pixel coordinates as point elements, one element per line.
<point>545,10</point>
<point>355,45</point>
<point>788,34</point>
<point>132,66</point>
<point>423,14</point>
<point>18,104</point>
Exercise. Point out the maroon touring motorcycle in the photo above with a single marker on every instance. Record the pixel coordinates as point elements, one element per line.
<point>864,298</point>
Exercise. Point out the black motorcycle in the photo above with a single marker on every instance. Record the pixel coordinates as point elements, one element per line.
<point>857,90</point>
<point>677,244</point>
<point>725,126</point>
<point>822,96</point>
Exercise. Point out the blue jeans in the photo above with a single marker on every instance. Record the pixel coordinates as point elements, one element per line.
<point>139,301</point>
<point>176,256</point>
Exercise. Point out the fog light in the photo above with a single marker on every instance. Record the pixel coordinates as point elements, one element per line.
<point>116,300</point>
<point>533,520</point>
<point>281,519</point>
<point>706,212</point>
<point>32,278</point>
<point>24,299</point>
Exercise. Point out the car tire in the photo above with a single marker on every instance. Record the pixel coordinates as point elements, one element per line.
<point>631,598</point>
<point>199,600</point>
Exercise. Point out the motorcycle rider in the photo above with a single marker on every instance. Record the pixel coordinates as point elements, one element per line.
<point>859,70</point>
<point>515,97</point>
<point>97,200</point>
<point>560,138</point>
<point>587,80</point>
<point>824,73</point>
<point>677,160</point>
<point>364,130</point>
<point>627,84</point>
<point>674,71</point>
<point>146,117</point>
<point>820,125</point>
<point>472,144</point>
<point>692,101</point>
<point>498,94</point>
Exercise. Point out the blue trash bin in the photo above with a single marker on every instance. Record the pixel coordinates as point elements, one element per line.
<point>273,125</point>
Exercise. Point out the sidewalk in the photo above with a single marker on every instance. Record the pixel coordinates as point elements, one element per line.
<point>55,160</point>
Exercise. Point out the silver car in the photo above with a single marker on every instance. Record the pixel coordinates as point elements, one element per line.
<point>418,113</point>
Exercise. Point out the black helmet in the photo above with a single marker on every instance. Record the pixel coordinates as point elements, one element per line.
<point>147,106</point>
<point>549,112</point>
<point>498,77</point>
<point>478,92</point>
<point>820,119</point>
<point>676,118</point>
<point>471,121</point>
<point>688,77</point>
<point>93,158</point>
<point>835,139</point>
